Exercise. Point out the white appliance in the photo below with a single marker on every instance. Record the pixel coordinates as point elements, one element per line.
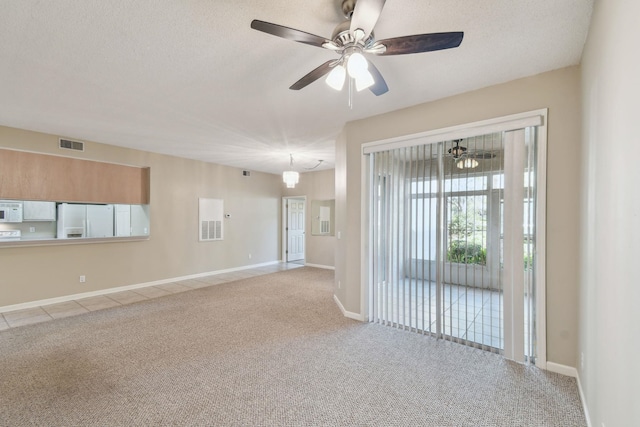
<point>99,221</point>
<point>131,220</point>
<point>139,220</point>
<point>9,235</point>
<point>122,220</point>
<point>38,211</point>
<point>10,211</point>
<point>71,220</point>
<point>75,221</point>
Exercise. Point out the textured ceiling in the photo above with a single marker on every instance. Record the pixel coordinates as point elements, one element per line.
<point>191,79</point>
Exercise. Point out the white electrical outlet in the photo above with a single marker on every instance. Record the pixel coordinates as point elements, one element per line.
<point>83,279</point>
<point>249,256</point>
<point>339,284</point>
<point>32,229</point>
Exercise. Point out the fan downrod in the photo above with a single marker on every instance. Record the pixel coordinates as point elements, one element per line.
<point>342,35</point>
<point>347,8</point>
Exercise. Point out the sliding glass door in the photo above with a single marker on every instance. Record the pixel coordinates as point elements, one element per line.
<point>452,240</point>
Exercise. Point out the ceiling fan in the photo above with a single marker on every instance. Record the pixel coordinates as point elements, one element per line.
<point>464,159</point>
<point>353,38</point>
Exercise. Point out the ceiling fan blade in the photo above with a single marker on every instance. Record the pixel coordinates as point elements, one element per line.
<point>313,75</point>
<point>288,33</point>
<point>365,15</point>
<point>380,86</point>
<point>421,43</point>
<point>483,155</point>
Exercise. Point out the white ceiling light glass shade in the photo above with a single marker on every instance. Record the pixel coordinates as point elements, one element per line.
<point>358,69</point>
<point>357,65</point>
<point>336,77</point>
<point>290,178</point>
<point>466,163</point>
<point>364,81</point>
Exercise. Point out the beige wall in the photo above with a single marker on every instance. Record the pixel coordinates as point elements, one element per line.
<point>347,250</point>
<point>560,92</point>
<point>320,185</point>
<point>36,273</point>
<point>610,278</point>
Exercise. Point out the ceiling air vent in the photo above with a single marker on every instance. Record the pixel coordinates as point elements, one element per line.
<point>71,145</point>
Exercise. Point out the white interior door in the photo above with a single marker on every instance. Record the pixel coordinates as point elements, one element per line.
<point>295,229</point>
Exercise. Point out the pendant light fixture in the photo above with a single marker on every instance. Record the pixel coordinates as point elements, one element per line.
<point>290,177</point>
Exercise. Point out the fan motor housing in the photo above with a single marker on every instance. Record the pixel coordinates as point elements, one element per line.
<point>342,35</point>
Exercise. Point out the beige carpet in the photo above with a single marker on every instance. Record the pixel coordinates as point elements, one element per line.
<point>267,351</point>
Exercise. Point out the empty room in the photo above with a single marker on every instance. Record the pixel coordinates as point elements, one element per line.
<point>332,213</point>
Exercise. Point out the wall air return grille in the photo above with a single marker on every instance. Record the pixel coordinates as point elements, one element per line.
<point>325,219</point>
<point>71,145</point>
<point>210,219</point>
<point>211,230</point>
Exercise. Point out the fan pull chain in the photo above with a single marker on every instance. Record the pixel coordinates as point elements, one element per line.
<point>350,92</point>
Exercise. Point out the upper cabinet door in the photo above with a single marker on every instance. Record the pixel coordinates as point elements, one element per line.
<point>33,176</point>
<point>38,211</point>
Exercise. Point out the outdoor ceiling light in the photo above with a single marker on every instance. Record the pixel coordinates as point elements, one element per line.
<point>467,163</point>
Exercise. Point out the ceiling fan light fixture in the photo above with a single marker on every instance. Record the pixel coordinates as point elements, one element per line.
<point>336,77</point>
<point>467,163</point>
<point>364,81</point>
<point>357,65</point>
<point>353,37</point>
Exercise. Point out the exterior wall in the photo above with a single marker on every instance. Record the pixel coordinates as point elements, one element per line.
<point>36,273</point>
<point>320,250</point>
<point>557,90</point>
<point>609,278</point>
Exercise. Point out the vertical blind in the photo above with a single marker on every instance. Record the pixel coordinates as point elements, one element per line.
<point>436,237</point>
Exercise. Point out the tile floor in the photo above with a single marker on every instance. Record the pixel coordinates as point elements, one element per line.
<point>473,315</point>
<point>13,319</point>
<point>470,314</point>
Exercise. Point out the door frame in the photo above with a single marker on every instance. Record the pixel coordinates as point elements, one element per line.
<point>285,234</point>
<point>537,118</point>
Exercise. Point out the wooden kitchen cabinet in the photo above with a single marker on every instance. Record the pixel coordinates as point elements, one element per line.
<point>42,177</point>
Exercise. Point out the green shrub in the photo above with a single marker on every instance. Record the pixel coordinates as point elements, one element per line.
<point>467,253</point>
<point>528,262</point>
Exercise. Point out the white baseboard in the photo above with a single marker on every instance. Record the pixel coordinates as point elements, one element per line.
<point>48,301</point>
<point>584,401</point>
<point>326,267</point>
<point>569,371</point>
<point>345,313</point>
